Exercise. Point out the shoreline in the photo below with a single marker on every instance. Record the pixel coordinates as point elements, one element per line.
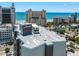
<point>23,21</point>
<point>48,20</point>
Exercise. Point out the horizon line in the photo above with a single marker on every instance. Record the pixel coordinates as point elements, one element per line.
<point>51,12</point>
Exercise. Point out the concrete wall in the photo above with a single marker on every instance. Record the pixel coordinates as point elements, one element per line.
<point>38,51</point>
<point>59,48</point>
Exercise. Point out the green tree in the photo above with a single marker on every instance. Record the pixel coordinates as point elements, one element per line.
<point>60,30</point>
<point>77,40</point>
<point>49,24</point>
<point>7,50</point>
<point>72,47</point>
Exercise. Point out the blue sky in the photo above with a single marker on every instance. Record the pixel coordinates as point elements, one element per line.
<point>48,6</point>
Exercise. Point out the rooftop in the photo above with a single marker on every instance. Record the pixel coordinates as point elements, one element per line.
<point>45,37</point>
<point>34,25</point>
<point>5,25</point>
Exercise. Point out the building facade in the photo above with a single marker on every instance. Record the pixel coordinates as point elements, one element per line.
<point>6,33</point>
<point>57,20</point>
<point>74,16</point>
<point>68,20</point>
<point>7,14</point>
<point>38,17</point>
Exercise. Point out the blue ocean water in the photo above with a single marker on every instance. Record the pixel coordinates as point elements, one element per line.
<point>21,16</point>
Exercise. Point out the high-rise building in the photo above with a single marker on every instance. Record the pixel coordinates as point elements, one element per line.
<point>57,20</point>
<point>7,14</point>
<point>38,17</point>
<point>70,19</point>
<point>74,16</point>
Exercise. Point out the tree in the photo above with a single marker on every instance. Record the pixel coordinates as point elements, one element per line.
<point>7,50</point>
<point>49,24</point>
<point>77,21</point>
<point>77,40</point>
<point>72,38</point>
<point>71,47</point>
<point>71,50</point>
<point>60,30</point>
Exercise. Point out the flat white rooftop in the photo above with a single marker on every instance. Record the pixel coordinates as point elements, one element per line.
<point>5,25</point>
<point>45,37</point>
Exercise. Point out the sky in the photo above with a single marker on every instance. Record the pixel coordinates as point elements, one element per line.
<point>48,6</point>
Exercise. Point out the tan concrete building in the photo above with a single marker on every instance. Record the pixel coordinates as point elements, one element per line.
<point>38,17</point>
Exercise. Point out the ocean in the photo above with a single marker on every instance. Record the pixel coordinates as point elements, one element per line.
<point>21,16</point>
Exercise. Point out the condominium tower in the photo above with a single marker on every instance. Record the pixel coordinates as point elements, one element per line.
<point>38,17</point>
<point>7,14</point>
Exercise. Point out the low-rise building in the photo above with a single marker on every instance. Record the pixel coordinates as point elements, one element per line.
<point>45,43</point>
<point>6,31</point>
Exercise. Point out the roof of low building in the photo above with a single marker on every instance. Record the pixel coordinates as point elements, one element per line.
<point>44,37</point>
